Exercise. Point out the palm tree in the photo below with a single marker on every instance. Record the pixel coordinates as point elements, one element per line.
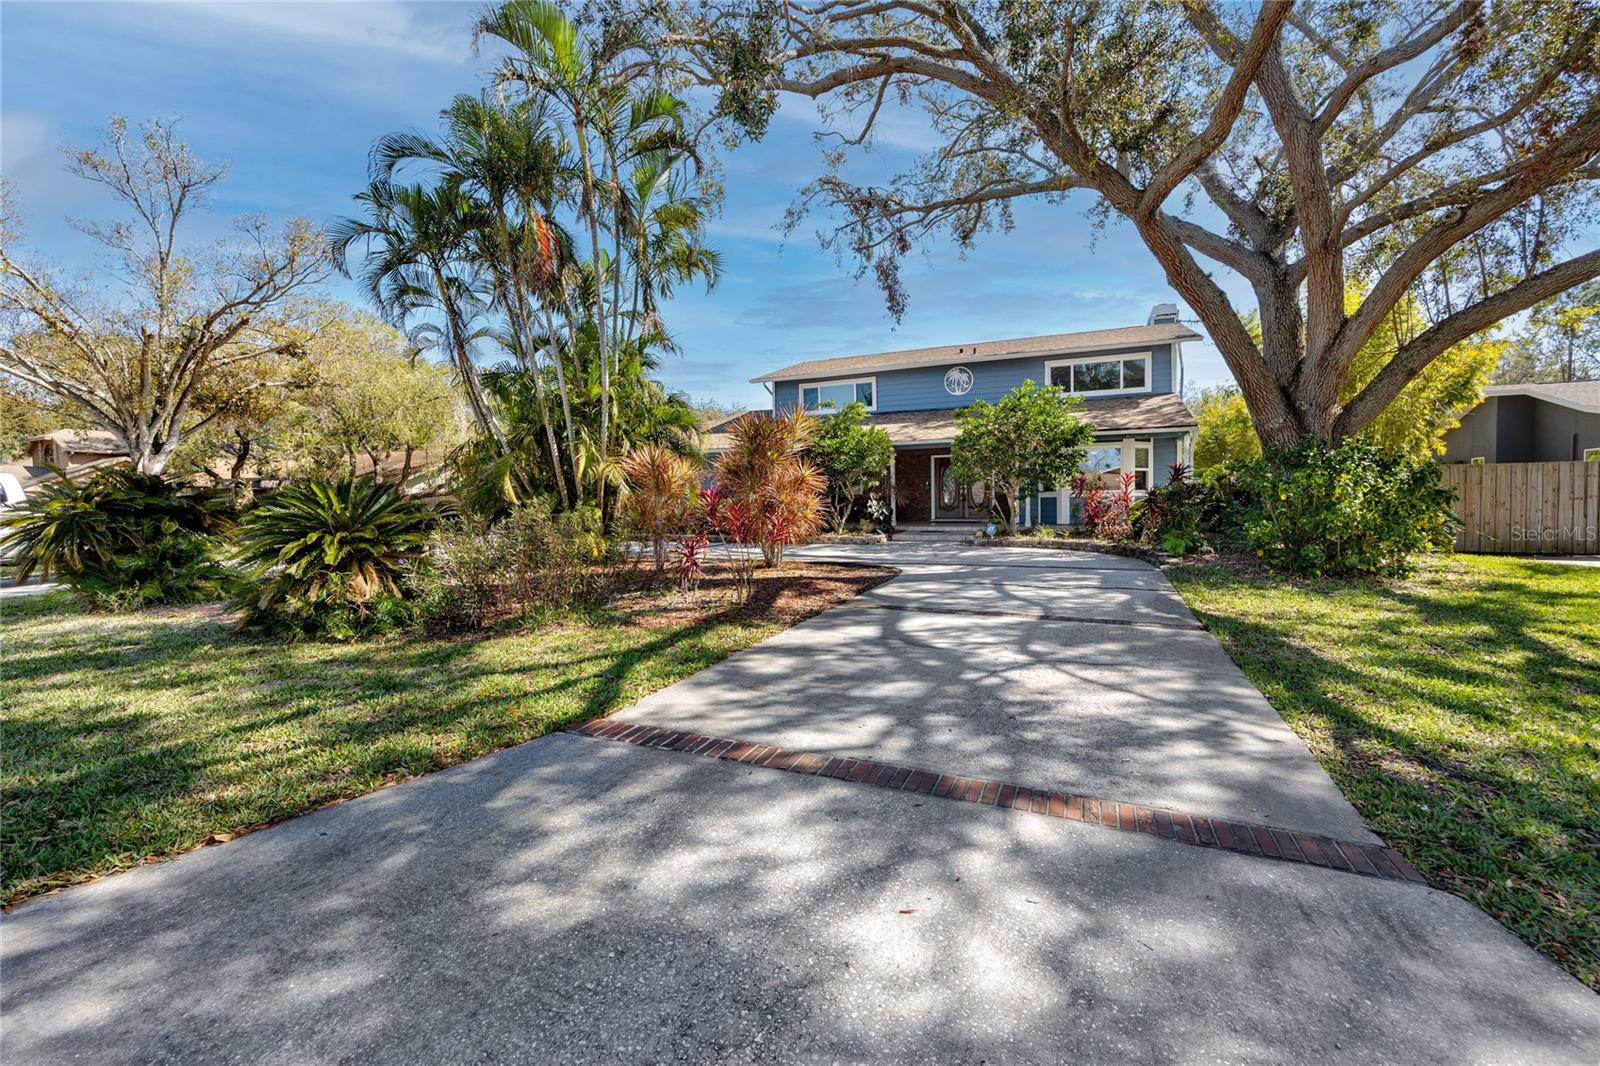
<point>491,482</point>
<point>507,158</point>
<point>554,63</point>
<point>665,224</point>
<point>479,251</point>
<point>612,124</point>
<point>415,241</point>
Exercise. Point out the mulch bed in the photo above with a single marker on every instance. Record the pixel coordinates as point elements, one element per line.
<point>787,594</point>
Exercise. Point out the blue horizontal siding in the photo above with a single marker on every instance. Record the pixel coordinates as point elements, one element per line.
<point>922,388</point>
<point>1166,454</point>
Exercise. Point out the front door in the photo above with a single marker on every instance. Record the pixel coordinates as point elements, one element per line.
<point>955,501</point>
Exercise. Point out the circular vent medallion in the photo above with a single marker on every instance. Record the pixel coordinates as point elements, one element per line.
<point>958,381</point>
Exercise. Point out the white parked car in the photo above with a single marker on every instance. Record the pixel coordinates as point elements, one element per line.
<point>11,495</point>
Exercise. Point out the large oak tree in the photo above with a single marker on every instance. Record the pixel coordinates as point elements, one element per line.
<point>1445,150</point>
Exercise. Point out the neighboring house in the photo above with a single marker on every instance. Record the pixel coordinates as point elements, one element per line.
<point>1535,423</point>
<point>79,452</point>
<point>1131,380</point>
<point>68,448</point>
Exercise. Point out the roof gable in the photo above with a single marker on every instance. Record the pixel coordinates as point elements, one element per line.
<point>1578,395</point>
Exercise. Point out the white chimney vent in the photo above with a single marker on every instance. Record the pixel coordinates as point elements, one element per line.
<point>1163,315</point>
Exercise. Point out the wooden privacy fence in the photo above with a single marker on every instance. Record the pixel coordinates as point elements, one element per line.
<point>1527,508</point>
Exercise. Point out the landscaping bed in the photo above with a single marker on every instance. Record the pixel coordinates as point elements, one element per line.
<point>1459,710</point>
<point>133,737</point>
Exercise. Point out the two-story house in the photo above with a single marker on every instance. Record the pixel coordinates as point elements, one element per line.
<point>1131,381</point>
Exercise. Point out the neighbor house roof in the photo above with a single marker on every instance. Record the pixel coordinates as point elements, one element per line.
<point>99,441</point>
<point>910,429</point>
<point>986,351</point>
<point>1578,395</point>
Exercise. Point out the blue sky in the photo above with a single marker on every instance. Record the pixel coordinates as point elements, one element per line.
<point>292,95</point>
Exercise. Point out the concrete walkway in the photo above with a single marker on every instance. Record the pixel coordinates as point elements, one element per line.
<point>575,900</point>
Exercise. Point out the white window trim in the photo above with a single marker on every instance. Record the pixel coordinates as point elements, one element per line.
<point>1149,372</point>
<point>804,385</point>
<point>1591,455</point>
<point>1063,494</point>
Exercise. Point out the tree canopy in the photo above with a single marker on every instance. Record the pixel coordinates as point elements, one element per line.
<point>1446,151</point>
<point>853,456</point>
<point>1560,341</point>
<point>1223,430</point>
<point>367,395</point>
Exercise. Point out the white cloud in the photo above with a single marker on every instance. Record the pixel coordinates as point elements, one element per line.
<point>415,31</point>
<point>31,159</point>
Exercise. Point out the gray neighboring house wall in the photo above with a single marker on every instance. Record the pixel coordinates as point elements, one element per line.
<point>1535,423</point>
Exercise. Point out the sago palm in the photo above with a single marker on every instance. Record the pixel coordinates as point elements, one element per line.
<point>347,540</point>
<point>123,537</point>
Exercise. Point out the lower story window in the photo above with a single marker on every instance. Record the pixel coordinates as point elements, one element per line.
<point>1104,463</point>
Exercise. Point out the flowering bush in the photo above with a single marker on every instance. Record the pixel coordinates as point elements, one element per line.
<point>1316,510</point>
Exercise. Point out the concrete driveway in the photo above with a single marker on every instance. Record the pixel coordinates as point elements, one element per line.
<point>581,900</point>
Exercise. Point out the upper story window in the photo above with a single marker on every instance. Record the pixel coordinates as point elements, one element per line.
<point>1102,376</point>
<point>837,395</point>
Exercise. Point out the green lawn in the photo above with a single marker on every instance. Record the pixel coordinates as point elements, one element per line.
<point>1458,710</point>
<point>138,736</point>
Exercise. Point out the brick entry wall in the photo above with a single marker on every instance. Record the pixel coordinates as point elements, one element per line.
<point>912,491</point>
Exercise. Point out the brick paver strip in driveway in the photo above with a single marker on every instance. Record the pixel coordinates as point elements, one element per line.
<point>1151,714</point>
<point>1181,827</point>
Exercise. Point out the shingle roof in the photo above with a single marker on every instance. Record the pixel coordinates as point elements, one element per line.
<point>1579,395</point>
<point>99,441</point>
<point>910,429</point>
<point>984,351</point>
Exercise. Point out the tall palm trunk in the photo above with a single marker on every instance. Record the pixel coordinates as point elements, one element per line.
<point>592,208</point>
<point>616,265</point>
<point>524,333</point>
<point>566,399</point>
<point>464,365</point>
<point>514,299</point>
